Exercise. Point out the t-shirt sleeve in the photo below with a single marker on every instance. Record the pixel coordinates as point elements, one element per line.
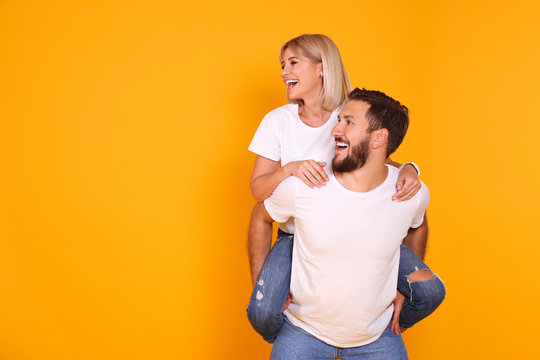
<point>423,202</point>
<point>266,142</point>
<point>281,204</point>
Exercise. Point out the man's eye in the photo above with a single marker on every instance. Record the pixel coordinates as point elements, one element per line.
<point>349,122</point>
<point>293,62</point>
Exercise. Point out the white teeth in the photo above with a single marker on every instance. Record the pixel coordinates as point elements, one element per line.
<point>291,82</point>
<point>340,144</point>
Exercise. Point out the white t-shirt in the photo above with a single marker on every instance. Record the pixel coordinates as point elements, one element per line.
<point>282,136</point>
<point>345,255</point>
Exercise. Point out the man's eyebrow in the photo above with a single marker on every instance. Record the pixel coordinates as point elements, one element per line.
<point>346,116</point>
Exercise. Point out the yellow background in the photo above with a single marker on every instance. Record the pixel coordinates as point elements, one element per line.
<point>124,168</point>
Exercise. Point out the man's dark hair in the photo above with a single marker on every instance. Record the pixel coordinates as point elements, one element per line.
<point>384,112</point>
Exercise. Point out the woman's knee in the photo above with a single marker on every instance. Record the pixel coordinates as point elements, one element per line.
<point>426,287</point>
<point>265,322</point>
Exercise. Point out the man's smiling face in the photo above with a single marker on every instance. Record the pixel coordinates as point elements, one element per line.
<point>352,137</point>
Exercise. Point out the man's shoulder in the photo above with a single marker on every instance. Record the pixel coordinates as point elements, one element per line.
<point>294,186</point>
<point>424,191</point>
<point>421,198</point>
<point>393,173</point>
<point>287,187</point>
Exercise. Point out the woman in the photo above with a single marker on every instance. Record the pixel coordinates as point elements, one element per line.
<point>295,140</point>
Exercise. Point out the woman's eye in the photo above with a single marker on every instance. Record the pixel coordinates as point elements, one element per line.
<point>293,62</point>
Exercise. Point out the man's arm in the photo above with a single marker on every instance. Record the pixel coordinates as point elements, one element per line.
<point>416,239</point>
<point>259,239</point>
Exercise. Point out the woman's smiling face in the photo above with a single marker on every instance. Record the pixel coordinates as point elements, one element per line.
<point>301,75</point>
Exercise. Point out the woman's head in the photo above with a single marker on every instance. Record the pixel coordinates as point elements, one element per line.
<point>320,49</point>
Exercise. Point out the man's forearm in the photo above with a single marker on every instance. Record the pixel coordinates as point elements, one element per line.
<point>416,239</point>
<point>259,239</point>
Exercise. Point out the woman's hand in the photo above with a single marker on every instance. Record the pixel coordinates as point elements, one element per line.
<point>408,183</point>
<point>309,171</point>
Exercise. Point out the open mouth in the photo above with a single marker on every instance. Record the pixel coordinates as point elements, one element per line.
<point>291,83</point>
<point>340,145</point>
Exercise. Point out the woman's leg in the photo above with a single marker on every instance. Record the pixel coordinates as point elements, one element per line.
<point>423,289</point>
<point>265,309</point>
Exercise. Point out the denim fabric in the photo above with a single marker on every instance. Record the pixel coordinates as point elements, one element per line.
<point>422,297</point>
<point>293,343</point>
<point>265,310</point>
<point>270,293</point>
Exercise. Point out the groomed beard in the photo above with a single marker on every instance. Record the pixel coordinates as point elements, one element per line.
<point>355,159</point>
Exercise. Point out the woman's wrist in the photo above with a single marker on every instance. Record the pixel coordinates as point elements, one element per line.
<point>413,165</point>
<point>288,169</point>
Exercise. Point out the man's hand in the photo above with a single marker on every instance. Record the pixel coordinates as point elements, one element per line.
<point>288,302</point>
<point>398,304</point>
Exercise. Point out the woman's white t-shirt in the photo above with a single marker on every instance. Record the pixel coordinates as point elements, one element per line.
<point>282,136</point>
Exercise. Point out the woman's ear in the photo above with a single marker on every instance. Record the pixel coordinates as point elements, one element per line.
<point>320,70</point>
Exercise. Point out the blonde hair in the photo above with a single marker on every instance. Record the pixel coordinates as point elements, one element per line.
<point>321,49</point>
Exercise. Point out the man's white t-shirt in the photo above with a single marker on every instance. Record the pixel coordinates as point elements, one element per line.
<point>282,136</point>
<point>345,255</point>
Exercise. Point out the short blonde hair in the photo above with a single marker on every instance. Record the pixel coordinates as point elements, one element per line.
<point>321,49</point>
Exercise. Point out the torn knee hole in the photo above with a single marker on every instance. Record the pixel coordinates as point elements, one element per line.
<point>421,275</point>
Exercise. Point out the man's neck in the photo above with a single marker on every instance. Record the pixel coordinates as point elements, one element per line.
<point>365,179</point>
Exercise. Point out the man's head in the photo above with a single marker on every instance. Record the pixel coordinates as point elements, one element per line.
<point>370,123</point>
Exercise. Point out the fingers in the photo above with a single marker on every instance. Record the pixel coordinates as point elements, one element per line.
<point>287,302</point>
<point>312,173</point>
<point>398,305</point>
<point>316,170</point>
<point>395,322</point>
<point>311,180</point>
<point>395,318</point>
<point>399,188</point>
<point>407,184</point>
<point>321,170</point>
<point>408,190</point>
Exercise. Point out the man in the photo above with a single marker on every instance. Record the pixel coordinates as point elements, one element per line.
<point>347,241</point>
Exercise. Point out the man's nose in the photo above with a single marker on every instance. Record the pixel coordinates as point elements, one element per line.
<point>337,131</point>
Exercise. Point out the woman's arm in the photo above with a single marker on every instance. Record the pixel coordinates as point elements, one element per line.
<point>266,175</point>
<point>265,178</point>
<point>408,183</point>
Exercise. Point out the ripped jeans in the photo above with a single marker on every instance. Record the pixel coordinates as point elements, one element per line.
<point>265,309</point>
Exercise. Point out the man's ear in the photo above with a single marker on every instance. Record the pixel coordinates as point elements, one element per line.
<point>379,138</point>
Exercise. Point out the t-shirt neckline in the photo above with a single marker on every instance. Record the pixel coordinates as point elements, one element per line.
<point>362,194</point>
<point>299,119</point>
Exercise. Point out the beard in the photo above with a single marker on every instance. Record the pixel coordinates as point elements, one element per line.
<point>355,160</point>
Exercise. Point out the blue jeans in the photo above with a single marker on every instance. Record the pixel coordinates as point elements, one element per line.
<point>272,288</point>
<point>293,343</point>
